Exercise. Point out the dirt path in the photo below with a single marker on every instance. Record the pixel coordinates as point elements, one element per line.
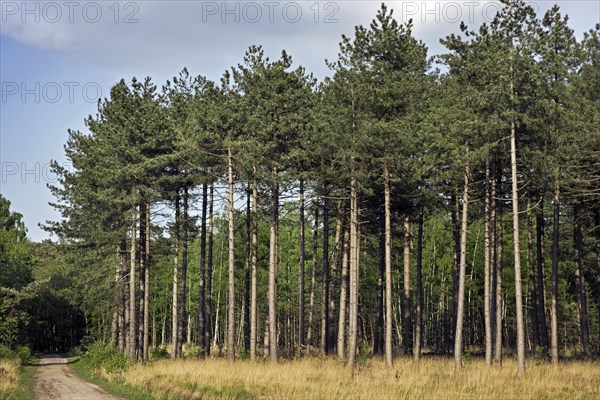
<point>56,380</point>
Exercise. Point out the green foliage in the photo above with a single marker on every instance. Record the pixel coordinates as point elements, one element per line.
<point>15,262</point>
<point>363,353</point>
<point>102,357</point>
<point>25,355</point>
<point>159,353</point>
<point>22,354</point>
<point>13,317</point>
<point>6,352</point>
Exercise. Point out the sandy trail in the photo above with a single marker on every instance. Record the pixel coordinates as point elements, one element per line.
<point>56,380</point>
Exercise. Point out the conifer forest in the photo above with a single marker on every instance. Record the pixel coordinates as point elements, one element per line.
<point>408,207</point>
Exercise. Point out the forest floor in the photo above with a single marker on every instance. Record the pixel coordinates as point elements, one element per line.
<point>57,381</point>
<point>432,378</point>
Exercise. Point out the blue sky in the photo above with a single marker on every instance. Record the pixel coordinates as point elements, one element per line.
<point>57,57</point>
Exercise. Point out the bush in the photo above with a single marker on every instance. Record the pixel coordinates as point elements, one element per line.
<point>6,353</point>
<point>159,353</point>
<point>105,358</point>
<point>363,353</point>
<point>21,354</point>
<point>24,354</point>
<point>192,350</point>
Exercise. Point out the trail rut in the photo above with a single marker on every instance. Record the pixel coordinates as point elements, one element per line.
<point>55,380</point>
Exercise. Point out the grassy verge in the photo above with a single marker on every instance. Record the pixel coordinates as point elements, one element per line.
<point>114,385</point>
<point>24,390</point>
<point>17,371</point>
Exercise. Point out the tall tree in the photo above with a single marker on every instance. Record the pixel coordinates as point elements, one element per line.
<point>458,339</point>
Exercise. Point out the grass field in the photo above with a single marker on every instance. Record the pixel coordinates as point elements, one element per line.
<point>329,379</point>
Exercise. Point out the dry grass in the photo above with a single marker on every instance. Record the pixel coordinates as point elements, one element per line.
<point>330,379</point>
<point>9,376</point>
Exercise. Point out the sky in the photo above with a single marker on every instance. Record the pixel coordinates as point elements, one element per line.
<point>58,57</point>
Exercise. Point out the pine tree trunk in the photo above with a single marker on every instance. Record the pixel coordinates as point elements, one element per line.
<point>114,328</point>
<point>517,251</point>
<point>154,331</point>
<point>123,293</point>
<point>407,331</point>
<point>455,216</point>
<point>388,269</point>
<point>208,296</point>
<point>341,339</point>
<point>535,330</point>
<point>313,280</point>
<point>597,230</point>
<point>231,298</point>
<point>146,266</point>
<point>326,278</point>
<point>273,269</point>
<point>580,279</point>
<point>127,317</point>
<point>253,323</point>
<point>215,332</point>
<point>379,340</point>
<point>266,345</point>
<point>188,335</point>
<point>323,336</point>
<point>132,301</point>
<point>543,326</point>
<point>419,314</point>
<point>163,334</point>
<point>498,272</point>
<point>555,244</point>
<point>175,307</point>
<point>203,338</point>
<point>487,288</point>
<point>142,258</point>
<point>458,338</point>
<point>331,339</point>
<point>184,262</point>
<point>301,300</point>
<point>493,251</point>
<point>354,258</point>
<point>246,309</point>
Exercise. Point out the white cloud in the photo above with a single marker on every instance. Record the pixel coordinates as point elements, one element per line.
<point>155,36</point>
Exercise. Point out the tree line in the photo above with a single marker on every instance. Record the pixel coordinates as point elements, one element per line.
<point>392,207</point>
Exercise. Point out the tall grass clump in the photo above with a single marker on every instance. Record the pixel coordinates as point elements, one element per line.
<point>11,363</point>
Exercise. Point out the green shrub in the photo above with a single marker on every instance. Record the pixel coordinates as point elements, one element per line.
<point>103,357</point>
<point>24,354</point>
<point>363,353</point>
<point>159,353</point>
<point>193,350</point>
<point>244,354</point>
<point>7,353</point>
